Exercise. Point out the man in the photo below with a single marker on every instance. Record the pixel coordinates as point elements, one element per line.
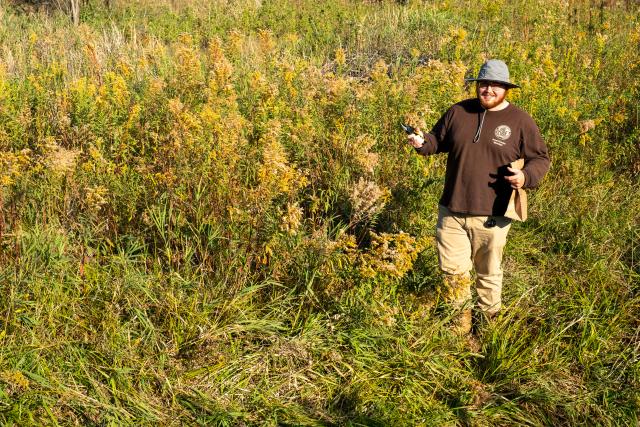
<point>482,137</point>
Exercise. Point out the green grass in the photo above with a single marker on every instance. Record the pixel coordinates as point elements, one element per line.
<point>197,198</point>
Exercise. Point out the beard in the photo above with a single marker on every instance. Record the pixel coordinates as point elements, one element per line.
<point>489,99</point>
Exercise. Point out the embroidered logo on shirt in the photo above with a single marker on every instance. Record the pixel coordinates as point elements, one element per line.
<point>503,132</point>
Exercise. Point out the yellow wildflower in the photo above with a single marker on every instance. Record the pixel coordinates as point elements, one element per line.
<point>292,219</point>
<point>341,58</point>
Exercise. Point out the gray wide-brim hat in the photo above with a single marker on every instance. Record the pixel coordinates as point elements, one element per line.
<point>494,70</point>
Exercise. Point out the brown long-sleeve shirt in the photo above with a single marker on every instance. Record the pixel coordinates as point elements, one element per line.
<point>474,179</point>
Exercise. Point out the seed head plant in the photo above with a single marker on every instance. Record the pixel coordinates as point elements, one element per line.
<point>367,200</point>
<point>209,215</point>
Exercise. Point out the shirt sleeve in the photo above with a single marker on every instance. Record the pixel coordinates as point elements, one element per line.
<point>535,154</point>
<point>436,140</point>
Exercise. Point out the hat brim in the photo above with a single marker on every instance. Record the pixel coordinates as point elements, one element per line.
<point>507,84</point>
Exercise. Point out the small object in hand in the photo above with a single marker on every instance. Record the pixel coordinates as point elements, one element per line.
<point>408,129</point>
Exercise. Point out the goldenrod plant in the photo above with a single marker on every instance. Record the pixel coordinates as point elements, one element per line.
<point>209,215</point>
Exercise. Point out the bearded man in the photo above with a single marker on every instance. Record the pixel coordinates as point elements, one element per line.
<point>482,137</point>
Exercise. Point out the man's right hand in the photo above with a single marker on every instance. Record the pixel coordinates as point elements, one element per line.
<point>416,140</point>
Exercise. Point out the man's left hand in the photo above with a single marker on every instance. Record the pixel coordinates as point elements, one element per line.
<point>517,179</point>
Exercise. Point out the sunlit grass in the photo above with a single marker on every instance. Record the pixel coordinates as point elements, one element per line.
<point>209,216</point>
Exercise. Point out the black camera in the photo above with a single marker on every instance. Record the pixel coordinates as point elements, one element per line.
<point>408,129</point>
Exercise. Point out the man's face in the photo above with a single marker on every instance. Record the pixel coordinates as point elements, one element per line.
<point>490,94</point>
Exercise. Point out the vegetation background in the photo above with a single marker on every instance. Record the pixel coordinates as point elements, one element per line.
<point>209,215</point>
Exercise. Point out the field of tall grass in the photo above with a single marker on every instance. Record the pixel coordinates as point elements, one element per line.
<point>210,216</point>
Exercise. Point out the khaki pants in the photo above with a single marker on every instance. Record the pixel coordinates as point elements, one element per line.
<point>465,242</point>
